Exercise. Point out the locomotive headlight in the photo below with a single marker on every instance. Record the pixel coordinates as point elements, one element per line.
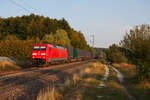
<point>43,54</point>
<point>34,53</point>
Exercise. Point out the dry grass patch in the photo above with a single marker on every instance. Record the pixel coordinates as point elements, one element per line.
<point>95,68</point>
<point>62,91</point>
<point>6,66</point>
<point>114,84</point>
<point>139,89</point>
<point>125,65</point>
<point>73,89</point>
<point>92,81</point>
<point>128,70</point>
<point>145,84</point>
<point>106,90</point>
<point>50,94</point>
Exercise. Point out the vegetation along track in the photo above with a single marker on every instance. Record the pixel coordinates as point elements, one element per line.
<point>26,85</point>
<point>121,79</point>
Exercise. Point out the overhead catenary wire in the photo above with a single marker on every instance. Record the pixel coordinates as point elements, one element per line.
<point>19,5</point>
<point>24,3</point>
<point>30,7</point>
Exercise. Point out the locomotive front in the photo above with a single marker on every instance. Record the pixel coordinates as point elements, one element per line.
<point>39,54</point>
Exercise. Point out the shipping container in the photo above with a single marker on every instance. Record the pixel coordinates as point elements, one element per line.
<point>70,52</point>
<point>75,53</point>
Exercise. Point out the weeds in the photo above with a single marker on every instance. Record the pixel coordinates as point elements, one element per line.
<point>6,66</point>
<point>96,89</point>
<point>60,92</point>
<point>139,89</point>
<point>85,81</point>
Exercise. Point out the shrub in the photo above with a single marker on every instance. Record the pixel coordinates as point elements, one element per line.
<point>5,66</point>
<point>20,49</point>
<point>115,55</point>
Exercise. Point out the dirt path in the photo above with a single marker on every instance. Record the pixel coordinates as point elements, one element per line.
<point>119,75</point>
<point>121,79</point>
<point>106,73</point>
<point>27,85</point>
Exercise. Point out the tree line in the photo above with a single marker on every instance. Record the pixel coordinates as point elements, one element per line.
<point>18,34</point>
<point>135,49</point>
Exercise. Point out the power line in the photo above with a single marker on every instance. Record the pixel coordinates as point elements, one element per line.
<point>29,6</point>
<point>34,9</point>
<point>17,4</point>
<point>24,3</point>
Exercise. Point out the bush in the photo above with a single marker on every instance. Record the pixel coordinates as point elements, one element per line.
<point>103,61</point>
<point>143,70</point>
<point>115,55</point>
<point>19,49</point>
<point>5,66</point>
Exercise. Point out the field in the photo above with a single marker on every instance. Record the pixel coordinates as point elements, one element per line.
<point>91,81</point>
<point>92,86</point>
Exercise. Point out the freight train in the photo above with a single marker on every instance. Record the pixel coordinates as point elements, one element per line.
<point>48,54</point>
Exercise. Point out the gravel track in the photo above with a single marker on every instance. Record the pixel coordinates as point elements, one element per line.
<point>27,85</point>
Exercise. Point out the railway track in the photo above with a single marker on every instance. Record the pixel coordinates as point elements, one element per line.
<point>26,85</point>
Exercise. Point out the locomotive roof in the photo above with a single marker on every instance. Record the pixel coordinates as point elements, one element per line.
<point>53,46</point>
<point>59,47</point>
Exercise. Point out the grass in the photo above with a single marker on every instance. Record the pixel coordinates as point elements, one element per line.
<point>7,66</point>
<point>89,86</point>
<point>50,94</point>
<point>61,92</point>
<point>127,69</point>
<point>110,90</point>
<point>139,89</point>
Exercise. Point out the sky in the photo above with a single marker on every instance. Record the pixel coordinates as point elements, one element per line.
<point>107,20</point>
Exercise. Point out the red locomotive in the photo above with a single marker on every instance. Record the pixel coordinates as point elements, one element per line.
<point>47,53</point>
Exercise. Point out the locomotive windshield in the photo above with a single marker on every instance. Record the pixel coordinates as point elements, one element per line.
<point>39,48</point>
<point>43,48</point>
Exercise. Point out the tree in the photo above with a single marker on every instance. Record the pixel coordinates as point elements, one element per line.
<point>62,38</point>
<point>115,55</point>
<point>11,37</point>
<point>78,40</point>
<point>49,38</point>
<point>138,42</point>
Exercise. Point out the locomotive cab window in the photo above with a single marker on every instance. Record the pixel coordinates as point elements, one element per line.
<point>36,48</point>
<point>39,48</point>
<point>43,47</point>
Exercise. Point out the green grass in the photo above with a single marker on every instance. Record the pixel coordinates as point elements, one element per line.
<point>112,90</point>
<point>139,89</point>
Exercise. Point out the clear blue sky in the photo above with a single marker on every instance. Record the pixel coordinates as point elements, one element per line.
<point>108,20</point>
